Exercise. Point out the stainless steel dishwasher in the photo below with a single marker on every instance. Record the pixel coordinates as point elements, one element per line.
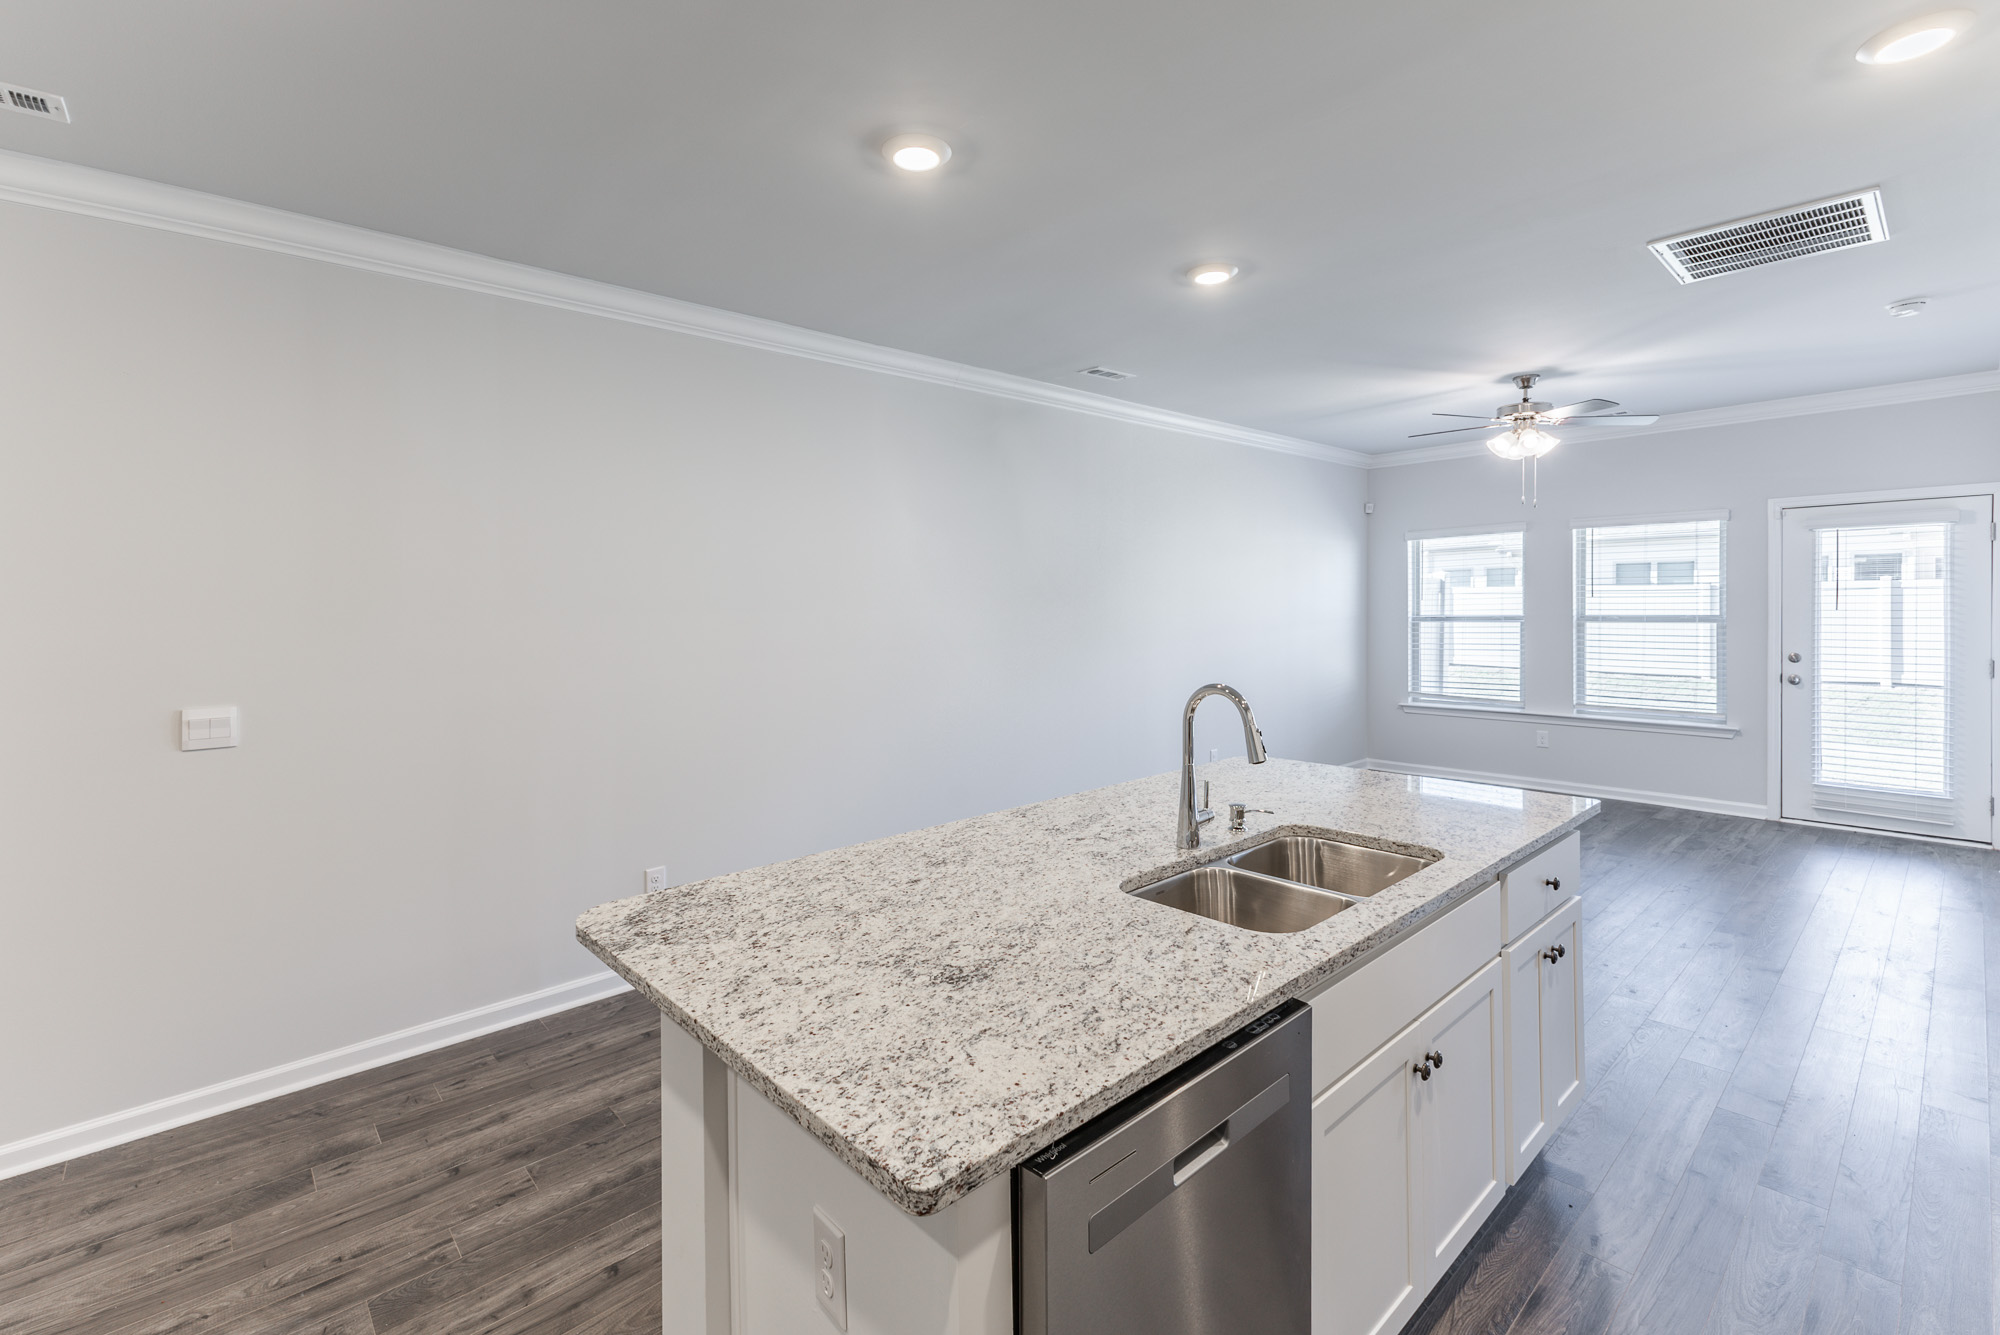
<point>1186,1209</point>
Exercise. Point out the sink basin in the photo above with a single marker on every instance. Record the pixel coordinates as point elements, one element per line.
<point>1246,898</point>
<point>1328,864</point>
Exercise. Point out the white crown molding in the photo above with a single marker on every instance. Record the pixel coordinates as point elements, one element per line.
<point>71,1142</point>
<point>1805,405</point>
<point>65,186</point>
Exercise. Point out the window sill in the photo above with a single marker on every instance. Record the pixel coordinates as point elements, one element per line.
<point>1615,722</point>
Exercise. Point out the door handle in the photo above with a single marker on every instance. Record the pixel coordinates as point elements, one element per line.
<point>1554,953</point>
<point>1794,679</point>
<point>1436,1059</point>
<point>1433,1061</point>
<point>1554,883</point>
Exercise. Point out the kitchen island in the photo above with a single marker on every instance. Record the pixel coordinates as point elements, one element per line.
<point>869,1040</point>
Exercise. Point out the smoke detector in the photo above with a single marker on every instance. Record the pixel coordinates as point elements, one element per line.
<point>31,103</point>
<point>1903,310</point>
<point>1840,223</point>
<point>1105,373</point>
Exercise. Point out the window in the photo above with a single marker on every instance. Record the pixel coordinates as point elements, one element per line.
<point>1649,628</point>
<point>1465,633</point>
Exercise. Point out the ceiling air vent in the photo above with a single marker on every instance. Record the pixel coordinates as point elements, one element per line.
<point>1105,373</point>
<point>29,102</point>
<point>1840,223</point>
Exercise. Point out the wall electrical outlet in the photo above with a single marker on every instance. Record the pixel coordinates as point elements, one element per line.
<point>830,1268</point>
<point>1541,737</point>
<point>656,879</point>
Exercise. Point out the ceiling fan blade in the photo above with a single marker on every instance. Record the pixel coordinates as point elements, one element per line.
<point>1613,419</point>
<point>1453,430</point>
<point>1583,406</point>
<point>1474,416</point>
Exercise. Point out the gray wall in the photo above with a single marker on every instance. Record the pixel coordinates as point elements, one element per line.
<point>1943,442</point>
<point>516,603</point>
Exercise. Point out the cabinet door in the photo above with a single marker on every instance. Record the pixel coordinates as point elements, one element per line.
<point>1366,1273</point>
<point>1527,1126</point>
<point>1544,1026</point>
<point>1459,1119</point>
<point>1562,1015</point>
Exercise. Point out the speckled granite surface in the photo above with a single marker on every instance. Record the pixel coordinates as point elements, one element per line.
<point>937,1006</point>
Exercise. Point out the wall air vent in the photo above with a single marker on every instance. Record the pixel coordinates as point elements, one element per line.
<point>1840,223</point>
<point>1105,373</point>
<point>31,103</point>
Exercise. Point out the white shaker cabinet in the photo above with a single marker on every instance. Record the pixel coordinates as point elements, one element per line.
<point>1408,1161</point>
<point>1461,1156</point>
<point>1544,1033</point>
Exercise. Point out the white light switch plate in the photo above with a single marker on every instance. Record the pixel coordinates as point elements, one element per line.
<point>210,728</point>
<point>830,1268</point>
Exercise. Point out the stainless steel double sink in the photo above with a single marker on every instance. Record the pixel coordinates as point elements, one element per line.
<point>1285,884</point>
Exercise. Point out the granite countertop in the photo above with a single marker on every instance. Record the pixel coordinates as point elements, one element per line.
<point>938,1006</point>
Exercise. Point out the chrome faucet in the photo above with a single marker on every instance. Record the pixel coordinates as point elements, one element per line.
<point>1189,835</point>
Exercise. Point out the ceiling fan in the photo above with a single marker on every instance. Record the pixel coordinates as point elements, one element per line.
<point>1522,436</point>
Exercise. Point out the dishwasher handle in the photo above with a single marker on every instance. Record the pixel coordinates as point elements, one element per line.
<point>1149,1191</point>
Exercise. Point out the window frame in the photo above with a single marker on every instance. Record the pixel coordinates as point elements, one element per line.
<point>1415,617</point>
<point>1580,530</point>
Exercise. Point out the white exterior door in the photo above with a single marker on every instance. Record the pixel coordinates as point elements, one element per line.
<point>1886,685</point>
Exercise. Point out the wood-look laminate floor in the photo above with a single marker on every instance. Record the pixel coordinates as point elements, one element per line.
<point>1788,1132</point>
<point>1789,1126</point>
<point>505,1185</point>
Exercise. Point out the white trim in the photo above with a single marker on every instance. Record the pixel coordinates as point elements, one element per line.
<point>1627,521</point>
<point>1686,802</point>
<point>1805,405</point>
<point>69,188</point>
<point>70,1142</point>
<point>1476,531</point>
<point>1614,722</point>
<point>1774,643</point>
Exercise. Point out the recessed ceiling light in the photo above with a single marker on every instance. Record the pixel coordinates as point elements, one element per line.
<point>1903,310</point>
<point>917,152</point>
<point>1918,37</point>
<point>1209,275</point>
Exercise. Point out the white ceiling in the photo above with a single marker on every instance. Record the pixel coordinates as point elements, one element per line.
<point>1424,197</point>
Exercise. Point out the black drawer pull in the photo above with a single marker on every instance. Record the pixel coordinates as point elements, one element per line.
<point>1554,883</point>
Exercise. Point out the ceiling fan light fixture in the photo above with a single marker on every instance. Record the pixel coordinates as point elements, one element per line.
<point>1918,37</point>
<point>1523,442</point>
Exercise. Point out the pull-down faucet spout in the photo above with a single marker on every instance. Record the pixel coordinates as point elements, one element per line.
<point>1189,835</point>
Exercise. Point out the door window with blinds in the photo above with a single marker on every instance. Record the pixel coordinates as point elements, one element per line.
<point>1886,683</point>
<point>1649,617</point>
<point>1465,618</point>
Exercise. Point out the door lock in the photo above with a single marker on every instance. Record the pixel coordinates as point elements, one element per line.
<point>1792,657</point>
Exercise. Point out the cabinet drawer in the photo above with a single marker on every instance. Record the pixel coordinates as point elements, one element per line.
<point>1545,880</point>
<point>1360,1012</point>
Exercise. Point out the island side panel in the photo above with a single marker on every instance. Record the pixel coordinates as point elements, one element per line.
<point>950,1273</point>
<point>694,1187</point>
<point>739,1182</point>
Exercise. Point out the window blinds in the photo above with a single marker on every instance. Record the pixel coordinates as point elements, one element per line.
<point>1883,649</point>
<point>1649,618</point>
<point>1465,618</point>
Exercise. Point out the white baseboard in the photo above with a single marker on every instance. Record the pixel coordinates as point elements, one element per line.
<point>1686,802</point>
<point>70,1142</point>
